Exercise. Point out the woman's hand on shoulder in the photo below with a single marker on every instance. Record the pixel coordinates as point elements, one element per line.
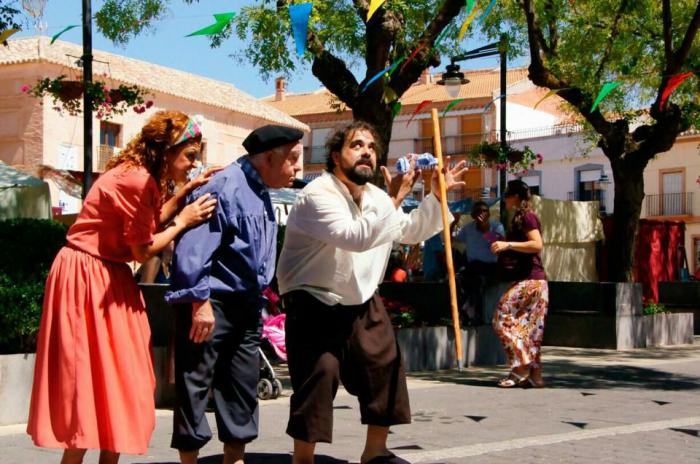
<point>196,212</point>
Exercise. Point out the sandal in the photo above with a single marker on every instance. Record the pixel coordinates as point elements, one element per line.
<point>513,380</point>
<point>529,383</point>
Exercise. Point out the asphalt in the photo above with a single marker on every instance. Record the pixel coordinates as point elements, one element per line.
<point>599,406</point>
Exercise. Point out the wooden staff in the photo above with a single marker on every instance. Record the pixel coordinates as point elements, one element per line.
<point>446,237</point>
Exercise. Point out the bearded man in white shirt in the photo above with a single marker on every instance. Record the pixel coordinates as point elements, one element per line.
<point>337,244</point>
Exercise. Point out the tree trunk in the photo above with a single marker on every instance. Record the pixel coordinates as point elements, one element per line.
<point>629,194</point>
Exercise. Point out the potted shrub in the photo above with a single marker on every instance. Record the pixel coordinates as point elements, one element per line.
<point>68,95</point>
<point>27,249</point>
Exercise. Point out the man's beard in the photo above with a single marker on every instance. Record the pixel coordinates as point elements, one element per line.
<point>359,176</point>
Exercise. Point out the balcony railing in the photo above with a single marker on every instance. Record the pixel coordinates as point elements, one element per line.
<point>103,155</point>
<point>453,144</point>
<point>670,204</point>
<point>462,143</point>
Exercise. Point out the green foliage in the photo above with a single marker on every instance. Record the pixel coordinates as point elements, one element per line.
<point>27,249</point>
<point>121,20</point>
<point>401,315</point>
<point>653,308</point>
<point>338,26</point>
<point>8,15</point>
<point>600,41</point>
<point>266,32</point>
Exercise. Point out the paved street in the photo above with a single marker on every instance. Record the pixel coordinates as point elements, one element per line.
<point>600,406</point>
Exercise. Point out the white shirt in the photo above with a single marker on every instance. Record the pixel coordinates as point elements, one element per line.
<point>338,251</point>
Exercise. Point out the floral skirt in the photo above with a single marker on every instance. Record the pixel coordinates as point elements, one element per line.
<point>519,321</point>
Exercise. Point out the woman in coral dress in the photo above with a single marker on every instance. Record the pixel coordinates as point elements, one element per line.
<point>93,379</point>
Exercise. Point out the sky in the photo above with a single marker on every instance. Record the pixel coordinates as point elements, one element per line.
<point>167,45</point>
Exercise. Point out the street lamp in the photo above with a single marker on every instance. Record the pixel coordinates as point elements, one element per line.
<point>453,78</point>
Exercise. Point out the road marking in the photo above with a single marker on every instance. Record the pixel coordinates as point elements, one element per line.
<point>541,440</point>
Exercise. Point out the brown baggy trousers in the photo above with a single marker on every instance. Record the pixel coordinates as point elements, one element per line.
<point>353,344</point>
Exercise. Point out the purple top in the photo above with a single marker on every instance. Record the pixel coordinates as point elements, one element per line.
<point>522,266</point>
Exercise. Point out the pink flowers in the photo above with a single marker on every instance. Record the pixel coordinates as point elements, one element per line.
<point>142,108</point>
<point>539,158</point>
<point>25,88</point>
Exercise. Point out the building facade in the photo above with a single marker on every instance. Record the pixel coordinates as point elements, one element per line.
<point>32,133</point>
<point>472,121</point>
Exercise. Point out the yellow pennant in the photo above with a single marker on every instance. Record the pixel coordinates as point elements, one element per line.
<point>546,96</point>
<point>4,35</point>
<point>466,24</point>
<point>374,6</point>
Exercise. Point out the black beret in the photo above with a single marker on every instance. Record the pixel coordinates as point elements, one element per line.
<point>269,137</point>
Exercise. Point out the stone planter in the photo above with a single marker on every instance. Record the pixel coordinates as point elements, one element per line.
<point>433,348</point>
<point>16,375</point>
<point>668,329</point>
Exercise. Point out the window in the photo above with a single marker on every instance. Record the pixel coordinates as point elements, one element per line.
<point>425,144</point>
<point>471,132</point>
<point>672,192</point>
<point>110,134</point>
<point>588,186</point>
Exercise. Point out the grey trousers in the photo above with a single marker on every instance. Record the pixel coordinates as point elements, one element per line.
<point>228,364</point>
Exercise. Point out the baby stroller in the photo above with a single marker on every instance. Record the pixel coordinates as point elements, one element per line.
<point>269,386</point>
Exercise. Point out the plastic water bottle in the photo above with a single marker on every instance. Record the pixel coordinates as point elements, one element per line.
<point>423,161</point>
<point>196,171</point>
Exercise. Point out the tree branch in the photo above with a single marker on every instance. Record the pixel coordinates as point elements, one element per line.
<point>540,75</point>
<point>552,25</point>
<point>400,82</point>
<point>614,32</point>
<point>332,72</point>
<point>682,53</point>
<point>668,39</point>
<point>329,69</point>
<point>676,60</point>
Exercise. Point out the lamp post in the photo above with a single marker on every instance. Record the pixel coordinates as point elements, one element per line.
<point>453,78</point>
<point>87,99</point>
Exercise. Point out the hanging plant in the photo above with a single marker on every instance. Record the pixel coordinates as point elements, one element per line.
<point>68,94</point>
<point>505,158</point>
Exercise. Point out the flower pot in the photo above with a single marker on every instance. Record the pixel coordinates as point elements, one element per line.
<point>70,90</point>
<point>115,96</point>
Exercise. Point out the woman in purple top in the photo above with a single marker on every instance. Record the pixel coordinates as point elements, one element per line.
<point>520,314</point>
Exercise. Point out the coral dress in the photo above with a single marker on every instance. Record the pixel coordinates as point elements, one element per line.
<point>93,379</point>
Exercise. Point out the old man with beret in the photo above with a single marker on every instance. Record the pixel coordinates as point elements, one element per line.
<point>220,271</point>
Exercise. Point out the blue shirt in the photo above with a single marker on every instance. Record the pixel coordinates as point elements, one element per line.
<point>234,251</point>
<point>478,243</point>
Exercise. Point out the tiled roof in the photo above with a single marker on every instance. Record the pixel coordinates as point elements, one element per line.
<point>482,84</point>
<point>146,75</point>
